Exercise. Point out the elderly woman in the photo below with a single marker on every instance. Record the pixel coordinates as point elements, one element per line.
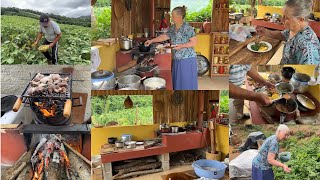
<point>266,158</point>
<point>183,37</point>
<point>301,43</point>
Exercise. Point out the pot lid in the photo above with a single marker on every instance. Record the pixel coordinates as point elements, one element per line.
<point>306,102</point>
<point>101,74</point>
<point>301,77</point>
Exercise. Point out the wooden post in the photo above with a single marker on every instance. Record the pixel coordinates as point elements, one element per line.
<point>107,171</point>
<point>201,108</point>
<point>152,18</point>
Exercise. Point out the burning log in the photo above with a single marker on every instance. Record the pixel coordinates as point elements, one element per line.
<point>80,166</point>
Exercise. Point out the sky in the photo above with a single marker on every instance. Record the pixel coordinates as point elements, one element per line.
<point>69,8</point>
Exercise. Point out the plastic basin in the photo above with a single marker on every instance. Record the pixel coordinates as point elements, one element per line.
<point>209,168</point>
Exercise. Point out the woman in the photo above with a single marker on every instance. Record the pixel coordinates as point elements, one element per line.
<point>302,45</point>
<point>183,37</point>
<point>266,158</point>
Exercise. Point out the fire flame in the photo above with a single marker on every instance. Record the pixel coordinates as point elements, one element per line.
<point>65,157</point>
<point>46,112</point>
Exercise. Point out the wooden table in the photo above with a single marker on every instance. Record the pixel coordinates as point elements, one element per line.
<point>240,54</point>
<point>258,22</point>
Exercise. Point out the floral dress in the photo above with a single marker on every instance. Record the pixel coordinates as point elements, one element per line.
<point>303,48</point>
<point>261,169</point>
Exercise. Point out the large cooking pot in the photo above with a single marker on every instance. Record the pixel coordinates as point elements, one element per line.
<point>285,107</point>
<point>129,81</point>
<point>287,72</point>
<point>144,48</point>
<point>102,80</point>
<point>154,83</point>
<point>126,43</point>
<point>300,82</point>
<point>284,88</point>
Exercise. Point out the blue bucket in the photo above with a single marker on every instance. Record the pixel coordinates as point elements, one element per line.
<point>209,168</point>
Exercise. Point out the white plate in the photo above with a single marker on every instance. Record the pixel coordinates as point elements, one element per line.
<point>252,43</point>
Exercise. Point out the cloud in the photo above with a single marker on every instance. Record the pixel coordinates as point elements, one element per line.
<point>69,8</point>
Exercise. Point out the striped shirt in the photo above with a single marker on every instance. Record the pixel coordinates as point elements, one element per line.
<point>238,74</point>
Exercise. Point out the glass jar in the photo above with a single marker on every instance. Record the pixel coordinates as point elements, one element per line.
<point>220,60</point>
<point>222,50</point>
<point>215,60</point>
<point>217,50</point>
<point>217,40</point>
<point>222,40</point>
<point>214,70</point>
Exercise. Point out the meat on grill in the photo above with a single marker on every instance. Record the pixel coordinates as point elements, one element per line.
<point>53,83</point>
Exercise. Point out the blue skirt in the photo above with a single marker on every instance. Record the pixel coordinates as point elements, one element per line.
<point>259,174</point>
<point>185,74</point>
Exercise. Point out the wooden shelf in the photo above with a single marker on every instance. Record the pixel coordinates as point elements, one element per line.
<point>220,64</point>
<point>219,75</point>
<point>222,44</point>
<point>221,55</point>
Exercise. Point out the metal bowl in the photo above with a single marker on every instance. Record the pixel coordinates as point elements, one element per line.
<point>284,88</point>
<point>129,81</point>
<point>300,82</point>
<point>275,78</point>
<point>154,83</point>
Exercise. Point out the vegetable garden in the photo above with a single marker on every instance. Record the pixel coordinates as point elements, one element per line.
<point>18,34</point>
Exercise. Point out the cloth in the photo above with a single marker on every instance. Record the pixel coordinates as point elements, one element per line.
<point>241,166</point>
<point>271,145</point>
<point>95,58</point>
<point>235,109</point>
<point>259,174</point>
<point>303,48</point>
<point>238,74</point>
<point>51,31</point>
<point>54,57</point>
<point>181,36</point>
<point>185,74</point>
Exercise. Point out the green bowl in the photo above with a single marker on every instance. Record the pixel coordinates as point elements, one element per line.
<point>285,156</point>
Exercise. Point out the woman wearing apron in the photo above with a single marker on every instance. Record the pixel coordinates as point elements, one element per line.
<point>183,37</point>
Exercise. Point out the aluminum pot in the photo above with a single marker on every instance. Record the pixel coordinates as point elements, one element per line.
<point>174,129</point>
<point>126,43</point>
<point>129,81</point>
<point>154,83</point>
<point>284,88</point>
<point>102,80</point>
<point>126,137</point>
<point>300,82</point>
<point>131,144</point>
<point>119,144</point>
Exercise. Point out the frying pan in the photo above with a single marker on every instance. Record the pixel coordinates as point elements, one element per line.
<point>7,103</point>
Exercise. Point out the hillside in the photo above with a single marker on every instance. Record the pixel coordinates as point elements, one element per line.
<point>81,21</point>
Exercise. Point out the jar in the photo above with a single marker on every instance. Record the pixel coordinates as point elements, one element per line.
<point>221,70</point>
<point>220,60</point>
<point>214,70</point>
<point>222,40</point>
<point>226,39</point>
<point>222,50</point>
<point>226,60</point>
<point>217,40</point>
<point>227,50</point>
<point>217,50</point>
<point>215,60</point>
<point>226,69</point>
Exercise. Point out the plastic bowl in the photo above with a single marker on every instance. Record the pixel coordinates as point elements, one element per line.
<point>284,156</point>
<point>209,168</point>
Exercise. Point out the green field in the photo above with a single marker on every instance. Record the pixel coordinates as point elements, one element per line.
<point>18,33</point>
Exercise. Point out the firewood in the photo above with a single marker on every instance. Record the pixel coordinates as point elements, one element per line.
<point>139,168</point>
<point>134,163</point>
<point>77,153</point>
<point>17,171</point>
<point>26,173</point>
<point>79,165</point>
<point>56,171</point>
<point>138,173</point>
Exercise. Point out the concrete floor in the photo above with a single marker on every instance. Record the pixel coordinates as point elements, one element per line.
<point>215,83</point>
<point>157,176</point>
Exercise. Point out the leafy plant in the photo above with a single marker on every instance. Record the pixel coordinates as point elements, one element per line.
<point>18,34</point>
<point>224,101</point>
<point>304,161</point>
<point>103,23</point>
<point>111,108</point>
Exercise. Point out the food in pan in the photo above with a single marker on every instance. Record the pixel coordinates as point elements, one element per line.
<point>52,83</point>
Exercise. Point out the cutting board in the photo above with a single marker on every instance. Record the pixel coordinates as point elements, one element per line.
<point>78,113</point>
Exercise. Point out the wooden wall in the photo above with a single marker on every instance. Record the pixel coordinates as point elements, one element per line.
<point>124,22</point>
<point>316,6</point>
<point>187,111</point>
<point>220,17</point>
<point>161,6</point>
